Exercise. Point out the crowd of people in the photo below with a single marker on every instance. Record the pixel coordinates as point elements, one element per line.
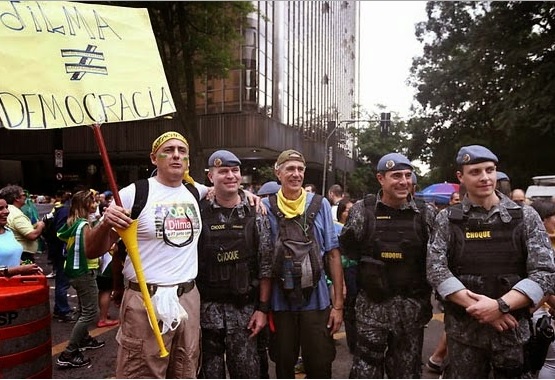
<point>236,278</point>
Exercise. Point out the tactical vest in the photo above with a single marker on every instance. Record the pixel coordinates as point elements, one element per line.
<point>297,261</point>
<point>488,258</point>
<point>394,259</point>
<point>228,258</point>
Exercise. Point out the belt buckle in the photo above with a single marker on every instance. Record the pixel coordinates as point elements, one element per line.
<point>180,290</point>
<point>185,287</point>
<point>152,289</point>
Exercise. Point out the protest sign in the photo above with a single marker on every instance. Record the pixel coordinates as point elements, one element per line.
<point>67,64</point>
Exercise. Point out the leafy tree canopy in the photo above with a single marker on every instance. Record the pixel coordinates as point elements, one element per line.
<point>487,76</point>
<point>196,39</point>
<point>372,145</point>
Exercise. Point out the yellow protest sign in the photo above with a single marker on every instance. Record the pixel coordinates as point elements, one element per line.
<point>65,64</point>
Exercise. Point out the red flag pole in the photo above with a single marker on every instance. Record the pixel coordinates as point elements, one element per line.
<point>106,162</point>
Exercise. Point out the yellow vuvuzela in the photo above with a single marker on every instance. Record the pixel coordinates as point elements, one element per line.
<point>129,237</point>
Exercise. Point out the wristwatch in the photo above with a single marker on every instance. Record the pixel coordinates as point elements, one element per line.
<point>503,306</point>
<point>4,270</point>
<point>263,307</point>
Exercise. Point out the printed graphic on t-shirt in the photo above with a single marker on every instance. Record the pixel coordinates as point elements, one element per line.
<point>176,220</point>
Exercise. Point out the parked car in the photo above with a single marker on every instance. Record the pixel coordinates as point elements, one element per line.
<point>543,188</point>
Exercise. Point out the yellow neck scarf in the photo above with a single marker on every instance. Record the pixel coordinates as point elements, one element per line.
<point>291,208</point>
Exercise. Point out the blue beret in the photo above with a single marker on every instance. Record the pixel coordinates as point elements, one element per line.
<point>394,161</point>
<point>501,176</point>
<point>474,154</point>
<point>223,158</point>
<point>269,188</point>
<point>413,178</point>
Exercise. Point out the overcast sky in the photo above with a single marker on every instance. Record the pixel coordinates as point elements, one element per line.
<point>387,45</point>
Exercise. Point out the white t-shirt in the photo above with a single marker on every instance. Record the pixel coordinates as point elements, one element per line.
<point>334,212</point>
<point>164,264</point>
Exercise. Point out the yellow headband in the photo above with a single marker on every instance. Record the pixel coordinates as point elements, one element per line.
<point>165,137</point>
<point>168,136</point>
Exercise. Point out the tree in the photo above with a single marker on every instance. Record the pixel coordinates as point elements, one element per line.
<point>372,145</point>
<point>487,76</point>
<point>195,39</point>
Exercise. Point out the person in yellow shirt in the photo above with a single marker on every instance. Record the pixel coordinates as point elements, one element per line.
<point>24,231</point>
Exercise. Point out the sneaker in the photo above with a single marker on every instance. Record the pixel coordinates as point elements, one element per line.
<point>51,275</point>
<point>74,359</point>
<point>67,318</point>
<point>90,343</point>
<point>434,367</point>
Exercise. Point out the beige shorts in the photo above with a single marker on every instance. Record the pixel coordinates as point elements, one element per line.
<point>138,351</point>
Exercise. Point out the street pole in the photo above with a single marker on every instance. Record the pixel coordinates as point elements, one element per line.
<point>326,153</point>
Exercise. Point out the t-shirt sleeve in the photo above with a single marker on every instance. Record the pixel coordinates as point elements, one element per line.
<point>22,224</point>
<point>202,189</point>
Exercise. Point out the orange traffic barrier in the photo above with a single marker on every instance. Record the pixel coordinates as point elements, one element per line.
<point>25,337</point>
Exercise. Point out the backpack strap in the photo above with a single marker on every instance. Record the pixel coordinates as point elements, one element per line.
<point>313,208</point>
<point>193,190</point>
<point>310,212</point>
<point>141,195</point>
<point>422,217</point>
<point>274,207</point>
<point>370,207</point>
<point>455,213</point>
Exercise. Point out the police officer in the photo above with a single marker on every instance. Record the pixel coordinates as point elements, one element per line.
<point>490,259</point>
<point>388,234</point>
<point>234,274</point>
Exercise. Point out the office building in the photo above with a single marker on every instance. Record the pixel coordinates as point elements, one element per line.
<point>297,85</point>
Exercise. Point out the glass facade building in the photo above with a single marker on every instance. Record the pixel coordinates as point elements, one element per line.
<point>297,81</point>
<point>298,73</point>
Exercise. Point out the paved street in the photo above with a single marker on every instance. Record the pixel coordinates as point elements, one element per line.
<point>103,359</point>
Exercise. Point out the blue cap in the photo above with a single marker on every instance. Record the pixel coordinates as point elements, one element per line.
<point>501,176</point>
<point>108,193</point>
<point>223,158</point>
<point>269,188</point>
<point>474,154</point>
<point>394,161</point>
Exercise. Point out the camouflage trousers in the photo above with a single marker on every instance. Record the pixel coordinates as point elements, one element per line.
<point>225,341</point>
<point>390,335</point>
<point>471,362</point>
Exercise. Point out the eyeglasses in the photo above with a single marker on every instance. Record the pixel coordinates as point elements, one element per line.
<point>22,195</point>
<point>171,243</point>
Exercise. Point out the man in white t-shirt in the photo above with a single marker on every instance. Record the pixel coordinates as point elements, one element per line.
<point>168,231</point>
<point>335,194</point>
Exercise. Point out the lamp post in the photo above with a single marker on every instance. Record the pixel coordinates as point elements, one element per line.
<point>326,153</point>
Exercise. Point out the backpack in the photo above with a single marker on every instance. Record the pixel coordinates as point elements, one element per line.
<point>49,230</point>
<point>297,261</point>
<point>52,223</point>
<point>139,203</point>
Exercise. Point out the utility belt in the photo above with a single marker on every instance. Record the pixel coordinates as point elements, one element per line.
<point>372,278</point>
<point>182,288</point>
<point>224,296</point>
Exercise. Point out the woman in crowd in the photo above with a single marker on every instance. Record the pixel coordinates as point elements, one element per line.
<point>10,249</point>
<point>349,270</point>
<point>82,276</point>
